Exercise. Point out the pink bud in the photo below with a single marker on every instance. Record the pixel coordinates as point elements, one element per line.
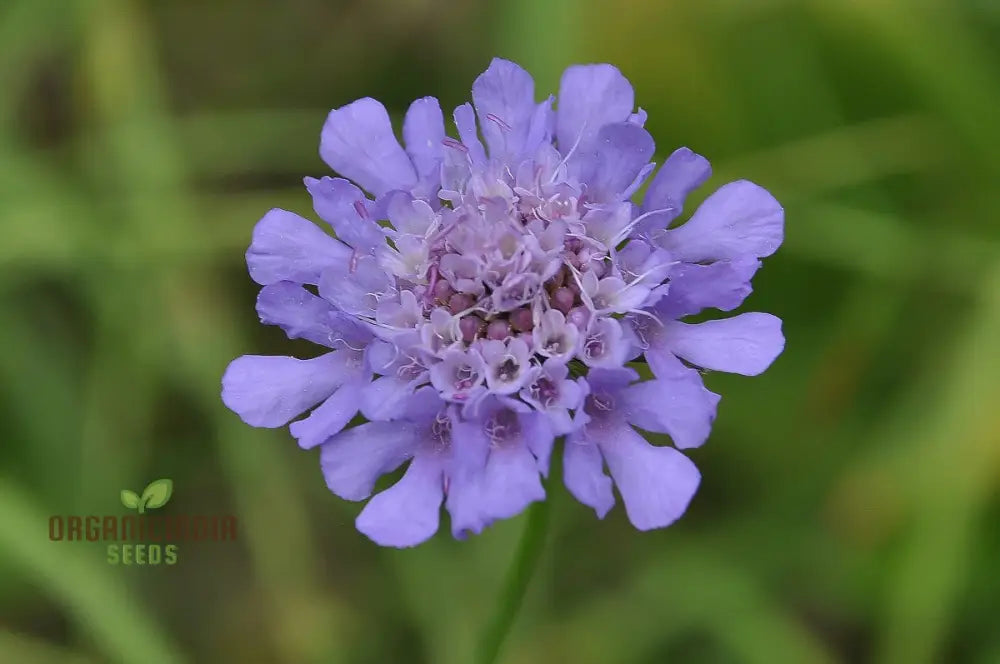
<point>579,317</point>
<point>469,326</point>
<point>443,290</point>
<point>498,329</point>
<point>563,299</point>
<point>459,302</point>
<point>521,320</point>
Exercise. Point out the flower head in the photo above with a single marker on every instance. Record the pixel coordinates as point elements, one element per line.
<point>484,297</point>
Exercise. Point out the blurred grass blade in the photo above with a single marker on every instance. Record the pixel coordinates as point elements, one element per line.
<point>520,573</point>
<point>146,163</point>
<point>307,626</point>
<point>22,649</point>
<point>828,162</point>
<point>77,576</point>
<point>28,30</point>
<point>954,70</point>
<point>952,463</point>
<point>686,590</point>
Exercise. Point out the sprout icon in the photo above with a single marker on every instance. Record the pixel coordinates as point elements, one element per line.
<point>155,495</point>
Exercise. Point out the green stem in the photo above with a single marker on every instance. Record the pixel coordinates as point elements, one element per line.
<point>519,575</point>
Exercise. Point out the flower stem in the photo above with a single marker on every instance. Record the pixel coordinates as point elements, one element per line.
<point>519,575</point>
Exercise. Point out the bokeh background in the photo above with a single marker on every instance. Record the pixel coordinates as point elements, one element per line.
<point>849,509</point>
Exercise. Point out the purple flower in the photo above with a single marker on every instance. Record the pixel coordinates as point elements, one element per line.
<point>407,512</point>
<point>499,453</point>
<point>508,364</point>
<point>485,296</point>
<point>550,391</point>
<point>656,483</point>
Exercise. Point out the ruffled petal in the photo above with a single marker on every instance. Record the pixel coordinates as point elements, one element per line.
<point>424,406</point>
<point>298,312</point>
<point>683,172</point>
<point>341,204</point>
<point>470,455</point>
<point>590,96</point>
<point>639,179</point>
<point>656,483</point>
<point>611,380</point>
<point>542,125</point>
<point>330,417</point>
<point>677,404</point>
<point>538,434</point>
<point>720,285</point>
<point>662,362</point>
<point>583,474</point>
<point>504,96</point>
<point>409,215</point>
<point>357,286</point>
<point>408,512</point>
<point>268,391</point>
<point>620,153</point>
<point>508,484</point>
<point>353,460</point>
<point>746,344</point>
<point>465,122</point>
<point>423,131</point>
<point>740,219</point>
<point>357,141</point>
<point>511,481</point>
<point>385,397</point>
<point>286,247</point>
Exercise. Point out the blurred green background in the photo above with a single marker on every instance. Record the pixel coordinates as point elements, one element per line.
<point>849,509</point>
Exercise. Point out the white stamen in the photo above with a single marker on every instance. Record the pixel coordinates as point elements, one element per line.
<point>623,233</point>
<point>334,338</point>
<point>568,154</point>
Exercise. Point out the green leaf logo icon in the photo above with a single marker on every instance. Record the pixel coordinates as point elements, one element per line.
<point>155,495</point>
<point>130,499</point>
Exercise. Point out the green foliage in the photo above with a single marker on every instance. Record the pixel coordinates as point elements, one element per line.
<point>850,497</point>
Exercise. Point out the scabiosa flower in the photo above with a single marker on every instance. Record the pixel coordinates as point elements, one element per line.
<point>485,296</point>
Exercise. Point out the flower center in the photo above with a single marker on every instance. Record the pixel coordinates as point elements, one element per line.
<point>599,405</point>
<point>508,370</point>
<point>545,392</point>
<point>643,329</point>
<point>441,430</point>
<point>502,427</point>
<point>411,370</point>
<point>595,346</point>
<point>501,253</point>
<point>465,377</point>
<point>556,345</point>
